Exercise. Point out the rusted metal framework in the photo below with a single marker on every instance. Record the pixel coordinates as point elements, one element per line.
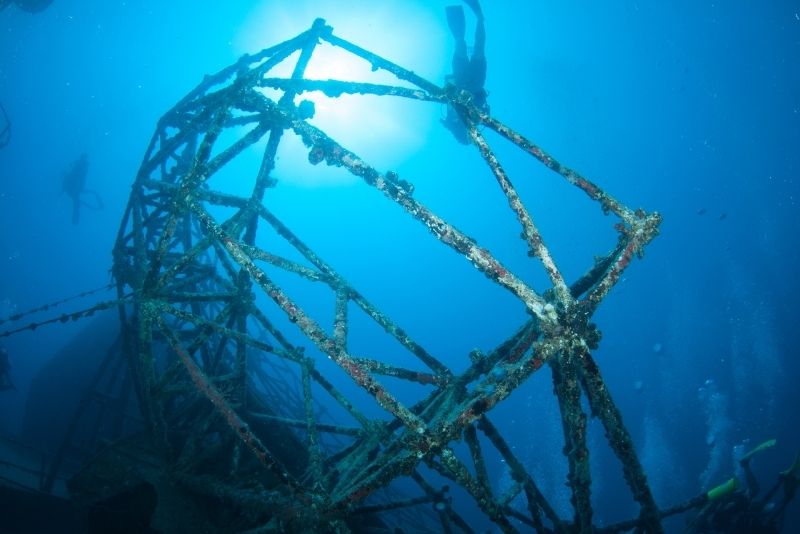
<point>221,388</point>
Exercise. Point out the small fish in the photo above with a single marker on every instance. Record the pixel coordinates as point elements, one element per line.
<point>723,216</point>
<point>701,211</point>
<point>31,6</point>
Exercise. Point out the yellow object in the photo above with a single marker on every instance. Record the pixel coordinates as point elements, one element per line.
<point>723,490</point>
<point>766,445</point>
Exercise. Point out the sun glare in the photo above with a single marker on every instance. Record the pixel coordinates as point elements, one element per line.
<point>382,130</point>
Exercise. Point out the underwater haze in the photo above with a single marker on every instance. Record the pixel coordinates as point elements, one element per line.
<point>687,108</point>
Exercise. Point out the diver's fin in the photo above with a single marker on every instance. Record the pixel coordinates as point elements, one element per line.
<point>794,469</point>
<point>760,447</point>
<point>475,7</point>
<point>723,490</point>
<point>455,20</point>
<point>98,201</point>
<point>791,480</point>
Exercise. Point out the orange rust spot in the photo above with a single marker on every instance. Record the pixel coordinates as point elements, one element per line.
<point>625,260</point>
<point>499,270</point>
<point>589,188</point>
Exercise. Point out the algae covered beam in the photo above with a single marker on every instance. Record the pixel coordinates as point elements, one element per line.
<point>206,275</point>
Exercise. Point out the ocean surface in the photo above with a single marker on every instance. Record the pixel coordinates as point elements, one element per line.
<point>690,109</point>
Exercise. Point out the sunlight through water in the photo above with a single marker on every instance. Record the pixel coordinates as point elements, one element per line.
<point>384,131</point>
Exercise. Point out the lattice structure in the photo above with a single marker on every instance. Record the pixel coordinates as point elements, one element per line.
<point>197,330</point>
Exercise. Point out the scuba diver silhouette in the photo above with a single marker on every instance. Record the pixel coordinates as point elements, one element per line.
<point>469,73</point>
<point>74,185</point>
<point>731,509</point>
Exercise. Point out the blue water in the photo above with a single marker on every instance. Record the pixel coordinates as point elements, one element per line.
<point>691,109</point>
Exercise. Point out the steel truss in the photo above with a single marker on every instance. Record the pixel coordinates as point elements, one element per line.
<point>203,350</point>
